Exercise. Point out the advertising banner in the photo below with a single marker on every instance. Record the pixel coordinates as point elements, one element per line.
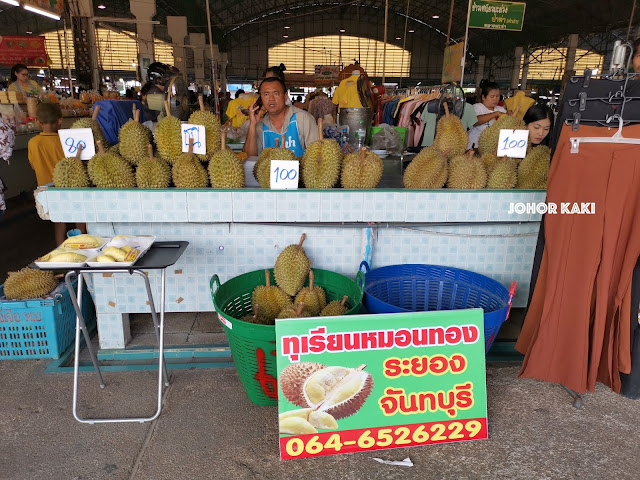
<point>21,49</point>
<point>497,15</point>
<point>369,382</point>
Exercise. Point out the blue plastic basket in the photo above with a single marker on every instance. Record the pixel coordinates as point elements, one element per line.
<point>421,288</point>
<point>40,328</point>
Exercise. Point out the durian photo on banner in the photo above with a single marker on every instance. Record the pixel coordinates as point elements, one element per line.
<point>372,382</point>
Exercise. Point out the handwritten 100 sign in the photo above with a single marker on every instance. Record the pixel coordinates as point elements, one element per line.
<point>72,138</point>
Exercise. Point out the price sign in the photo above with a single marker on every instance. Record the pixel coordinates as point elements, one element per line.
<point>370,382</point>
<point>284,174</point>
<point>72,138</point>
<point>513,143</point>
<point>198,133</point>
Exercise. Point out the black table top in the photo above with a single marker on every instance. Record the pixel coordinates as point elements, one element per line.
<point>161,255</point>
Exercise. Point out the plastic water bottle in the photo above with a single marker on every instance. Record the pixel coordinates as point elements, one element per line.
<point>344,137</point>
<point>360,134</point>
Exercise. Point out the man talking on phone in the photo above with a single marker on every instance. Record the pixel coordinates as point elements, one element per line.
<point>297,126</point>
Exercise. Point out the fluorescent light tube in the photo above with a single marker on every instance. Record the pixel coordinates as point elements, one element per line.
<point>40,11</point>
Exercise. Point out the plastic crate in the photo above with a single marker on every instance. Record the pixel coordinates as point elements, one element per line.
<point>421,288</point>
<point>41,328</point>
<point>253,346</point>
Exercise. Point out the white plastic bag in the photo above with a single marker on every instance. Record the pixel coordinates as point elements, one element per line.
<point>387,139</point>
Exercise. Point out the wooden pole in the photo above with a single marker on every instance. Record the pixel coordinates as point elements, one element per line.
<point>214,87</point>
<point>633,11</point>
<point>384,47</point>
<point>450,22</point>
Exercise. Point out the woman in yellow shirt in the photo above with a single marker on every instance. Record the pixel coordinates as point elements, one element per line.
<point>21,82</point>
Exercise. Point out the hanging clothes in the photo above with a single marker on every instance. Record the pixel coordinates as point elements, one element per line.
<point>519,99</point>
<point>577,331</point>
<point>235,106</point>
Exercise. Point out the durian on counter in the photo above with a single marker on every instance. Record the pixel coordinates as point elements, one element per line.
<point>361,170</point>
<point>490,136</point>
<point>188,171</point>
<point>211,125</point>
<point>133,139</point>
<point>153,172</point>
<point>262,167</point>
<point>108,170</point>
<point>71,172</point>
<point>168,134</point>
<point>320,165</point>
<point>92,123</point>
<point>428,170</point>
<point>503,175</point>
<point>451,136</point>
<point>29,283</point>
<point>533,170</point>
<point>467,172</point>
<point>225,169</point>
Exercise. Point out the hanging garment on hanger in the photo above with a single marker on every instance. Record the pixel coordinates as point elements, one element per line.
<point>577,330</point>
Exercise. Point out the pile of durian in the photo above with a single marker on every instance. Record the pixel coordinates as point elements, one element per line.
<point>445,163</point>
<point>288,298</point>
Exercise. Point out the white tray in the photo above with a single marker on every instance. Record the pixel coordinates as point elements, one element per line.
<point>87,252</point>
<point>139,242</point>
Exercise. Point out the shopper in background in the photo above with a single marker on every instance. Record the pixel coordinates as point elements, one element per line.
<point>21,81</point>
<point>539,121</point>
<point>487,110</point>
<point>636,56</point>
<point>7,142</point>
<point>45,150</point>
<point>298,126</point>
<point>275,72</point>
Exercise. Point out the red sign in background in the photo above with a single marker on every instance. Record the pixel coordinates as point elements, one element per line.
<point>28,50</point>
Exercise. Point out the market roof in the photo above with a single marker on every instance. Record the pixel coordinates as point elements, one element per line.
<point>546,21</point>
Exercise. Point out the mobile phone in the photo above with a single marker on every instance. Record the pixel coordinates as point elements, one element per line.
<point>259,102</point>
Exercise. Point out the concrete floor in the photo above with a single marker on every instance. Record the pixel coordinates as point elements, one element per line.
<point>208,428</point>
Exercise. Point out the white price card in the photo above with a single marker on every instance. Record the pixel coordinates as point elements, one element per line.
<point>197,132</point>
<point>72,138</point>
<point>513,143</point>
<point>284,174</point>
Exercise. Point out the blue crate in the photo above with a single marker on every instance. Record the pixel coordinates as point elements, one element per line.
<point>421,288</point>
<point>40,328</point>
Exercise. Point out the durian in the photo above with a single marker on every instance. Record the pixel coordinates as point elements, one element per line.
<point>188,172</point>
<point>338,391</point>
<point>451,136</point>
<point>320,165</point>
<point>116,253</point>
<point>67,257</point>
<point>490,136</point>
<point>108,170</point>
<point>296,426</point>
<point>467,173</point>
<point>361,170</point>
<point>93,124</point>
<point>428,170</point>
<point>105,259</point>
<point>335,308</point>
<point>504,175</point>
<point>321,420</point>
<point>153,172</point>
<point>297,311</point>
<point>489,160</point>
<point>262,168</point>
<point>292,267</point>
<point>133,139</point>
<point>313,297</point>
<point>115,149</point>
<point>29,283</point>
<point>168,134</point>
<point>211,125</point>
<point>225,170</point>
<point>533,170</point>
<point>270,300</point>
<point>71,172</point>
<point>82,241</point>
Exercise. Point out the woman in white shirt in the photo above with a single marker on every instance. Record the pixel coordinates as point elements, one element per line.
<point>487,110</point>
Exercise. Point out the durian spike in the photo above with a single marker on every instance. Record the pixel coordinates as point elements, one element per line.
<point>201,103</point>
<point>302,238</point>
<point>79,154</point>
<point>267,278</point>
<point>167,108</point>
<point>96,111</point>
<point>320,133</point>
<point>150,149</point>
<point>300,308</point>
<point>100,147</point>
<point>190,145</point>
<point>344,300</point>
<point>446,110</point>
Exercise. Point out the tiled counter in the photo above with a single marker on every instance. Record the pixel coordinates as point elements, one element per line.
<point>234,232</point>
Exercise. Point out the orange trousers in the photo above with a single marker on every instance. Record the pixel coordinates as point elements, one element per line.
<point>577,328</point>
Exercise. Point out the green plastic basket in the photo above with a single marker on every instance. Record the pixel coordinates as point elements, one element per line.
<point>254,346</point>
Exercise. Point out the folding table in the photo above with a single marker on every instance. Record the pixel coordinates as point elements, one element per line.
<point>160,256</point>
